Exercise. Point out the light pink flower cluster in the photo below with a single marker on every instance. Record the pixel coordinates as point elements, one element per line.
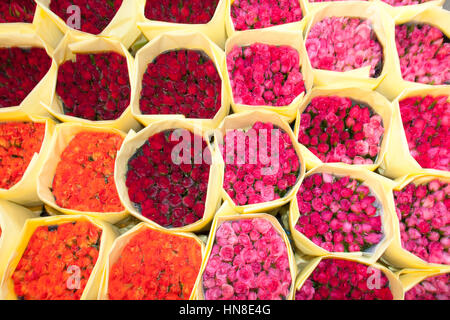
<point>433,288</point>
<point>344,44</point>
<point>263,74</point>
<point>424,53</point>
<point>249,261</point>
<point>398,3</point>
<point>424,214</point>
<point>257,14</point>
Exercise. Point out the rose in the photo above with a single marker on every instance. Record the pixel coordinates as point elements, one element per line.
<point>177,11</point>
<point>432,288</point>
<point>17,11</point>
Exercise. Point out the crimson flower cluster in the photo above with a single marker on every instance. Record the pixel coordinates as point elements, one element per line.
<point>21,69</point>
<point>423,213</point>
<point>95,14</point>
<point>17,11</point>
<point>433,288</point>
<point>182,82</point>
<point>337,279</point>
<point>178,11</point>
<point>427,128</point>
<point>94,86</point>
<point>339,214</point>
<point>262,74</point>
<point>340,129</point>
<point>170,194</point>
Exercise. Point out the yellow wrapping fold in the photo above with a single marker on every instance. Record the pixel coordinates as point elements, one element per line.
<point>171,41</point>
<point>409,9</point>
<point>122,26</point>
<point>25,36</point>
<point>246,120</point>
<point>109,233</point>
<point>214,29</point>
<point>64,133</point>
<point>395,254</point>
<point>72,44</point>
<point>134,141</point>
<point>12,219</point>
<point>411,277</point>
<point>378,185</point>
<point>398,161</point>
<point>375,100</point>
<point>293,26</point>
<point>394,84</point>
<point>275,37</point>
<point>120,243</point>
<point>25,191</point>
<point>227,213</point>
<point>394,283</point>
<point>381,24</point>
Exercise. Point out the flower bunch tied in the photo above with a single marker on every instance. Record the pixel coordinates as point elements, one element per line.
<point>344,44</point>
<point>338,129</point>
<point>17,11</point>
<point>94,86</point>
<point>339,213</point>
<point>423,213</point>
<point>21,69</point>
<point>167,179</point>
<point>257,14</point>
<point>19,141</point>
<point>182,82</point>
<point>177,11</point>
<point>84,176</point>
<point>248,261</point>
<point>336,279</point>
<point>155,265</point>
<point>432,288</point>
<point>265,75</point>
<point>52,256</point>
<point>424,53</point>
<point>427,128</point>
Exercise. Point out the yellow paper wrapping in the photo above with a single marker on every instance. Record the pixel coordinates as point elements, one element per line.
<point>214,29</point>
<point>25,191</point>
<point>293,26</point>
<point>395,254</point>
<point>109,233</point>
<point>398,161</point>
<point>277,38</point>
<point>394,283</point>
<point>120,243</point>
<point>227,213</point>
<point>172,41</point>
<point>64,133</point>
<point>71,45</point>
<point>134,141</point>
<point>25,36</point>
<point>378,185</point>
<point>409,9</point>
<point>382,26</point>
<point>393,84</point>
<point>12,219</point>
<point>246,120</point>
<point>122,26</point>
<point>375,100</point>
<point>411,277</point>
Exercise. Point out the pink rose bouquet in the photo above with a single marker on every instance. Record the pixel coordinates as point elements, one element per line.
<point>433,288</point>
<point>398,3</point>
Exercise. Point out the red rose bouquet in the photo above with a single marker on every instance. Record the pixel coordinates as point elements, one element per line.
<point>177,11</point>
<point>17,11</point>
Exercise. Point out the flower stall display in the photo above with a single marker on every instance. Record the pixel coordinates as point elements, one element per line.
<point>180,76</point>
<point>347,125</point>
<point>267,70</point>
<point>328,278</point>
<point>342,211</point>
<point>425,285</point>
<point>77,177</point>
<point>92,83</point>
<point>24,143</point>
<point>150,263</point>
<point>17,11</point>
<point>168,175</point>
<point>263,164</point>
<point>58,258</point>
<point>412,68</point>
<point>249,258</point>
<point>347,43</point>
<point>115,18</point>
<point>160,16</point>
<point>12,219</point>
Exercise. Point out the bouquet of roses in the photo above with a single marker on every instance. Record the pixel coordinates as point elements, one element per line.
<point>398,3</point>
<point>17,11</point>
<point>430,288</point>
